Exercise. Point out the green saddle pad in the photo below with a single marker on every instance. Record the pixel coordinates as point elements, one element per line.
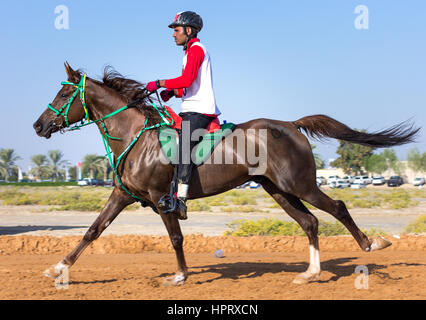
<point>168,140</point>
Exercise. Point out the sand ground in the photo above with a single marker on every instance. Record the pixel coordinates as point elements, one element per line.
<point>262,268</point>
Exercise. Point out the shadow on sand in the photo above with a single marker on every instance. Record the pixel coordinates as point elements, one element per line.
<point>12,230</point>
<point>242,270</point>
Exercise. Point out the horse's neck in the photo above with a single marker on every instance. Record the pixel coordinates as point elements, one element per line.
<point>123,125</point>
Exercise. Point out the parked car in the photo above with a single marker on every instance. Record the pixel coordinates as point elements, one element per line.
<point>254,185</point>
<point>109,183</point>
<point>96,183</point>
<point>378,181</point>
<point>395,181</point>
<point>339,184</point>
<point>84,182</point>
<point>419,181</point>
<point>362,179</point>
<point>367,179</point>
<point>358,180</point>
<point>358,185</point>
<point>90,182</point>
<point>322,180</point>
<point>332,178</point>
<point>319,182</point>
<point>244,185</point>
<point>343,183</point>
<point>348,179</point>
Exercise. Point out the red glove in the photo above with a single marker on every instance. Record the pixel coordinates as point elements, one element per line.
<point>167,94</point>
<point>152,86</point>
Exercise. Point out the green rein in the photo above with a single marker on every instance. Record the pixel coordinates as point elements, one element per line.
<point>63,111</point>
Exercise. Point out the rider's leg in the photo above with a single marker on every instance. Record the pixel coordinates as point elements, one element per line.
<point>191,121</point>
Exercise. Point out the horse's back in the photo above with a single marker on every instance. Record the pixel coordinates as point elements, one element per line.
<point>285,131</point>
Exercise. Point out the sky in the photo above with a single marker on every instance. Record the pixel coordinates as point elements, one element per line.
<point>271,59</point>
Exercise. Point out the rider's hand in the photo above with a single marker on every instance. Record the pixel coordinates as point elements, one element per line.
<point>167,94</point>
<point>152,86</point>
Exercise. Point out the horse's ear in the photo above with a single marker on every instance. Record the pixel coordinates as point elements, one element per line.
<point>73,76</point>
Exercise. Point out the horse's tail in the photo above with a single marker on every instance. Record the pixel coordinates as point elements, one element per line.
<point>321,126</point>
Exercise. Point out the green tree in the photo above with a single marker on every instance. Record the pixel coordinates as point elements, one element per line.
<point>352,156</point>
<point>375,163</point>
<point>41,169</point>
<point>8,158</point>
<point>104,166</point>
<point>57,163</point>
<point>416,160</point>
<point>72,172</point>
<point>424,162</point>
<point>319,162</point>
<point>392,161</point>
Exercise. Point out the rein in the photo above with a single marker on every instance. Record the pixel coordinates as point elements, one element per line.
<point>80,87</point>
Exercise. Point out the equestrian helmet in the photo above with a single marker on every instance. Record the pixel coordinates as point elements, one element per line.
<point>187,19</point>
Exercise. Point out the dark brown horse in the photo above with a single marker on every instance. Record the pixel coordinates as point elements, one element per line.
<point>289,174</point>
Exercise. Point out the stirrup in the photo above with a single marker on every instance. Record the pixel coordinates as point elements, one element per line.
<point>168,203</point>
<point>172,204</point>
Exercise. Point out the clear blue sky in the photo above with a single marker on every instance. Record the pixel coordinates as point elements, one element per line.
<point>274,59</point>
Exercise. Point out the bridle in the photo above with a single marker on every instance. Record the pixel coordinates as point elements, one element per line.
<point>64,110</point>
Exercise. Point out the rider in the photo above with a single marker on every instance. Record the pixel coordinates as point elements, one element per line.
<point>195,87</point>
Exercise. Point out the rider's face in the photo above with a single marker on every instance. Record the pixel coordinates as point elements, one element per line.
<point>180,36</point>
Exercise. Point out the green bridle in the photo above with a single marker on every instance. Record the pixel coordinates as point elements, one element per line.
<point>80,87</point>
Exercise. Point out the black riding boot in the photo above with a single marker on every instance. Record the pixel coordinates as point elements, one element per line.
<point>169,203</point>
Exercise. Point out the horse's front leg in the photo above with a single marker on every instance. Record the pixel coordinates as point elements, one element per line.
<point>115,204</point>
<point>173,228</point>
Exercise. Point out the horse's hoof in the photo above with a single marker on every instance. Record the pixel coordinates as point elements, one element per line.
<point>306,277</point>
<point>174,281</point>
<point>379,243</point>
<point>55,270</point>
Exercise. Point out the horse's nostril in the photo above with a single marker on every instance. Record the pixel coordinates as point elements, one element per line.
<point>37,127</point>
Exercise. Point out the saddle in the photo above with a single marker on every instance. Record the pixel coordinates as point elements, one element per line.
<point>169,138</point>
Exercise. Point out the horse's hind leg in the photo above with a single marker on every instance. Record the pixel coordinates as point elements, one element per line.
<point>338,209</point>
<point>309,223</point>
<point>115,204</point>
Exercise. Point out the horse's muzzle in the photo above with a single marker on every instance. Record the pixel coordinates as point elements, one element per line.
<point>43,130</point>
<point>37,127</point>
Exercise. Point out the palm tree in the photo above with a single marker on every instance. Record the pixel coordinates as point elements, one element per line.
<point>56,163</point>
<point>7,162</point>
<point>104,165</point>
<point>91,164</point>
<point>41,169</point>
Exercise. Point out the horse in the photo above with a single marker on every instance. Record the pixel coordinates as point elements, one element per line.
<point>289,176</point>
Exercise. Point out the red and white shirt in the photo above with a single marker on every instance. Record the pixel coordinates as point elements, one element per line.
<point>195,85</point>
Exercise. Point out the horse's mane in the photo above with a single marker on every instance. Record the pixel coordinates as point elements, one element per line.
<point>134,92</point>
<point>131,89</point>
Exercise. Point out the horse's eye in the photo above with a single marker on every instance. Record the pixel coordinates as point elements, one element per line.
<point>63,95</point>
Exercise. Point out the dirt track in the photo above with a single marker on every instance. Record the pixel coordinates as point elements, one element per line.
<point>133,267</point>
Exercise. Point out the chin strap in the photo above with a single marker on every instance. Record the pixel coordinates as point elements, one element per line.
<point>188,37</point>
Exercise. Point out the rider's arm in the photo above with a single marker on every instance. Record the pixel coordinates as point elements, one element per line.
<point>195,57</point>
